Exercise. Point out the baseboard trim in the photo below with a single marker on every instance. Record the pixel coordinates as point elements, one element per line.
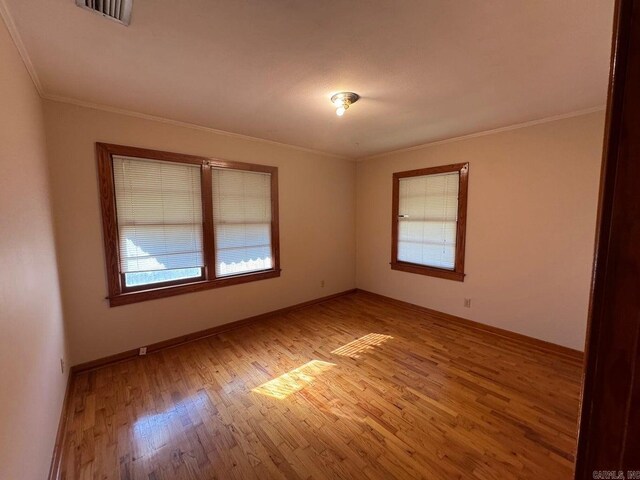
<point>531,342</point>
<point>54,469</point>
<point>191,337</point>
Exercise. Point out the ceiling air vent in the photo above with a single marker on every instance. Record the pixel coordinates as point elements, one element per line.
<point>118,10</point>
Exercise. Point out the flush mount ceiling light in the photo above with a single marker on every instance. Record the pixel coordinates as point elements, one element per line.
<point>343,100</point>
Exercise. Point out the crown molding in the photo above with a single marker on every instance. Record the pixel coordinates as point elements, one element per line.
<point>17,41</point>
<point>483,133</point>
<point>180,123</point>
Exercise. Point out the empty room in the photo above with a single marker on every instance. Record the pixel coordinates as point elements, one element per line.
<point>247,239</point>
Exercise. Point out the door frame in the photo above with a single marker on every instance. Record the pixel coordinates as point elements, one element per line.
<point>609,431</point>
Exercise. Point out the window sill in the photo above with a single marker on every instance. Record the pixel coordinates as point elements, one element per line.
<point>429,271</point>
<point>155,293</point>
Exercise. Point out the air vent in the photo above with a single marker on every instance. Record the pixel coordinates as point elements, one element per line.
<point>118,10</point>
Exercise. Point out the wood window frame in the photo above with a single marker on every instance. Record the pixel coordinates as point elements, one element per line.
<point>457,273</point>
<point>119,294</point>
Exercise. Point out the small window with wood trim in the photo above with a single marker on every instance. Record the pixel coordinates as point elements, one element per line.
<point>177,223</point>
<point>429,221</point>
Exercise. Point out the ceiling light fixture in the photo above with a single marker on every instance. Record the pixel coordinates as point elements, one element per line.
<point>343,100</point>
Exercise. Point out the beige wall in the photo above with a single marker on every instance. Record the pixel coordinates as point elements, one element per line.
<point>317,231</point>
<point>31,329</point>
<point>530,235</point>
<point>532,205</point>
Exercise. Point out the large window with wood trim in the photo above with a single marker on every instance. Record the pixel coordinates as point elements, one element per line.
<point>177,223</point>
<point>429,221</point>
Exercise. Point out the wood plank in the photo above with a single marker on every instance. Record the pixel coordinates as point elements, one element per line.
<point>531,342</point>
<point>173,342</point>
<point>407,395</point>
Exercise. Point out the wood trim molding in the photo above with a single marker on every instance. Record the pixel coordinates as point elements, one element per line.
<point>54,469</point>
<point>535,343</point>
<point>609,432</point>
<point>173,342</point>
<point>457,273</point>
<point>191,337</point>
<point>121,295</point>
<point>546,347</point>
<point>429,271</point>
<point>162,292</point>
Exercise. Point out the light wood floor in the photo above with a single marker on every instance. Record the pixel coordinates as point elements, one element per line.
<point>353,388</point>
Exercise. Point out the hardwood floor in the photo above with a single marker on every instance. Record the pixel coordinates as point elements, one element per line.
<point>353,388</point>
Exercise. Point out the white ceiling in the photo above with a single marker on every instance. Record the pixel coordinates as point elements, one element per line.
<point>427,70</point>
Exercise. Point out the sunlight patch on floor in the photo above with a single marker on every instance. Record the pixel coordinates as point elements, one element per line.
<point>293,381</point>
<point>361,345</point>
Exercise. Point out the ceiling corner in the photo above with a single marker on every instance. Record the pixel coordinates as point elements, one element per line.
<point>17,41</point>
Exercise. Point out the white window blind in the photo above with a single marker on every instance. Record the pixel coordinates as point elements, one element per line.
<point>159,211</point>
<point>427,220</point>
<point>242,221</point>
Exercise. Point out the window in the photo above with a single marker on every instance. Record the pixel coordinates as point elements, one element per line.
<point>179,223</point>
<point>242,221</point>
<point>159,211</point>
<point>429,221</point>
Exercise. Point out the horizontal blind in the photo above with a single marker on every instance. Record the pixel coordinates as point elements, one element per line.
<point>159,208</point>
<point>242,221</point>
<point>428,219</point>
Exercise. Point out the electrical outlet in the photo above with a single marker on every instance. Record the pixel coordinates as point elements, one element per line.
<point>61,365</point>
<point>467,302</point>
<point>321,283</point>
<point>143,350</point>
